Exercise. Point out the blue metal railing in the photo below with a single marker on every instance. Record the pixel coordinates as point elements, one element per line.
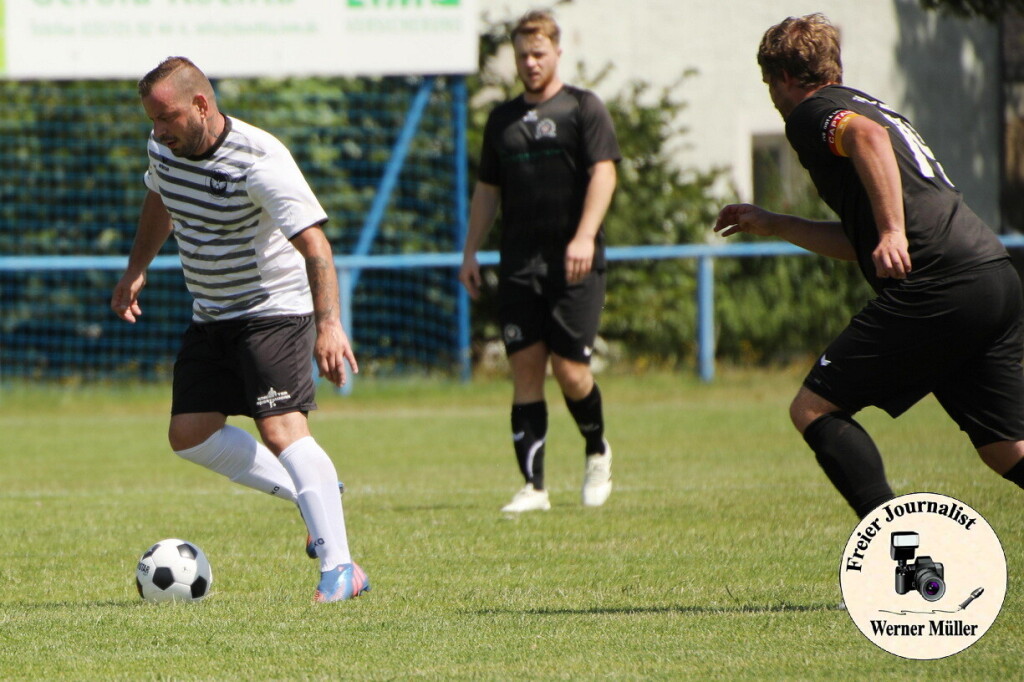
<point>704,253</point>
<point>348,265</point>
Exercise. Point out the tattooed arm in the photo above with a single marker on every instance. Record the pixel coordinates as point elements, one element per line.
<point>332,345</point>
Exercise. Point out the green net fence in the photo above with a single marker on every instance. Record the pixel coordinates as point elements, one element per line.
<point>72,156</point>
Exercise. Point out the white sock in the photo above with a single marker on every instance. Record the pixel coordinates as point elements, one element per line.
<point>234,453</point>
<point>316,485</point>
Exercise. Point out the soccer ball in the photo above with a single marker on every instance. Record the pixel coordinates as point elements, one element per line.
<point>173,570</point>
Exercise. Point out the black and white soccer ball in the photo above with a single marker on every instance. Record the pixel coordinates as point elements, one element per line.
<point>173,570</point>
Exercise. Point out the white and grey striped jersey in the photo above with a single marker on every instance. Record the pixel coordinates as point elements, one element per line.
<point>234,210</point>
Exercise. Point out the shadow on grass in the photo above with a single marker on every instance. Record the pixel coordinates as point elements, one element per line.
<point>131,602</point>
<point>627,610</point>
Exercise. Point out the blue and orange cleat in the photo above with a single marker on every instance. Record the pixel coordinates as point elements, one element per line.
<point>345,581</point>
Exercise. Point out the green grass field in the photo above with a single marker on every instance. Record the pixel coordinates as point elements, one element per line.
<point>716,557</point>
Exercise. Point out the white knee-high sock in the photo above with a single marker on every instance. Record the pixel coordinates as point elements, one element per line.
<point>316,485</point>
<point>234,453</point>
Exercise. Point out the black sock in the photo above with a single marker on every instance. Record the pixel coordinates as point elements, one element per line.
<point>850,460</point>
<point>589,417</point>
<point>1016,474</point>
<point>529,428</point>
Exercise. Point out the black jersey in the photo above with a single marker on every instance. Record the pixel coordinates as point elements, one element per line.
<point>540,156</point>
<point>944,235</point>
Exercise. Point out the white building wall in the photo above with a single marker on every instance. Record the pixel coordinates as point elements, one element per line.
<point>941,73</point>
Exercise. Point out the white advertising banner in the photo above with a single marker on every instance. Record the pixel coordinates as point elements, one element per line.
<point>71,39</point>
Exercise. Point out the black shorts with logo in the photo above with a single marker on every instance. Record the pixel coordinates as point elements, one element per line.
<point>255,367</point>
<point>535,304</point>
<point>960,338</point>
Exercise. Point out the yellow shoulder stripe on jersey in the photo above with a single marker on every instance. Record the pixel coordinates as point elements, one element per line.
<point>835,126</point>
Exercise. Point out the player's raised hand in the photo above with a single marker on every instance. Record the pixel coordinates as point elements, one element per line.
<point>125,299</point>
<point>892,255</point>
<point>744,218</point>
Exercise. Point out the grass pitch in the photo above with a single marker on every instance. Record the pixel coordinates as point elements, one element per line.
<point>716,556</point>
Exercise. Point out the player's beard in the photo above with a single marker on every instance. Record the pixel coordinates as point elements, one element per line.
<point>541,84</point>
<point>191,141</point>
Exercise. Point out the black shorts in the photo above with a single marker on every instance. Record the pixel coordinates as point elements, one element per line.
<point>540,306</point>
<point>256,367</point>
<point>960,338</point>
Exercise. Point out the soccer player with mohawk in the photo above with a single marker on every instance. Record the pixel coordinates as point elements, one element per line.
<point>265,301</point>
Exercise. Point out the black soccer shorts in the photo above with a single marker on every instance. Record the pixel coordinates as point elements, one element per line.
<point>255,367</point>
<point>960,338</point>
<point>535,307</point>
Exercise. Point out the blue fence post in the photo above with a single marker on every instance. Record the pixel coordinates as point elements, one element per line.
<point>706,317</point>
<point>461,220</point>
<point>345,288</point>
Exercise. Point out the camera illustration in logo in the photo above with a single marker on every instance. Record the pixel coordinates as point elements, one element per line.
<point>923,575</point>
